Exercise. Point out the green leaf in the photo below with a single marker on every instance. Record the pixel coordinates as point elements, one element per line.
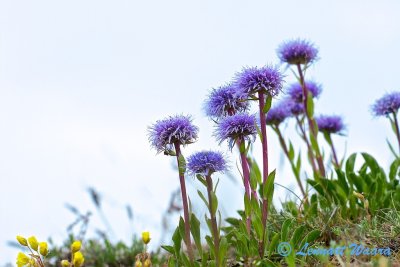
<point>169,249</point>
<point>247,206</point>
<point>202,197</point>
<point>223,248</point>
<point>291,151</point>
<point>350,163</point>
<point>268,189</point>
<point>310,237</point>
<point>181,164</point>
<point>310,105</point>
<point>177,240</point>
<point>268,103</point>
<point>182,227</point>
<point>201,179</point>
<point>195,230</point>
<point>285,230</point>
<point>297,235</point>
<point>394,169</point>
<point>273,244</point>
<point>214,202</point>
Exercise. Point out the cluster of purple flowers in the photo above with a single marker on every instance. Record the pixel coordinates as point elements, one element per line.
<point>206,163</point>
<point>330,124</point>
<point>297,52</point>
<point>386,105</point>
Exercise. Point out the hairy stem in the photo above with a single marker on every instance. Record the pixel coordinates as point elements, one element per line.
<point>185,204</point>
<point>264,143</point>
<point>396,123</point>
<point>246,181</point>
<point>310,151</point>
<point>311,122</point>
<point>214,225</point>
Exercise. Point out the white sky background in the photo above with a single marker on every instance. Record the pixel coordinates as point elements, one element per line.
<point>80,81</point>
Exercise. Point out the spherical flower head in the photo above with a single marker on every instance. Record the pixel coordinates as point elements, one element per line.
<point>296,108</point>
<point>297,51</point>
<point>238,126</point>
<point>330,124</point>
<point>65,263</point>
<point>295,90</point>
<point>277,114</point>
<point>146,237</point>
<point>174,129</point>
<point>206,163</point>
<point>224,101</point>
<point>389,103</point>
<point>251,80</point>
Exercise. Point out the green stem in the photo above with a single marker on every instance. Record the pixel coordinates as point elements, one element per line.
<point>309,148</point>
<point>311,122</point>
<point>396,123</point>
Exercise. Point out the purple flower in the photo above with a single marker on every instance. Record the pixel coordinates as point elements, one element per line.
<point>206,163</point>
<point>253,79</point>
<point>240,125</point>
<point>297,52</point>
<point>295,90</point>
<point>175,129</point>
<point>277,114</point>
<point>224,101</point>
<point>330,124</point>
<point>389,103</point>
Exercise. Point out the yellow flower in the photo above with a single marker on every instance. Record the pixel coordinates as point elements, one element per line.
<point>76,246</point>
<point>78,259</point>
<point>147,263</point>
<point>22,240</point>
<point>33,243</point>
<point>138,263</point>
<point>43,248</point>
<point>22,259</point>
<point>146,237</point>
<point>65,263</point>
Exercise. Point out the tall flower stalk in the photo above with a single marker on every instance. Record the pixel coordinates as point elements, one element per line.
<point>239,128</point>
<point>276,115</point>
<point>261,84</point>
<point>301,54</point>
<point>329,125</point>
<point>204,164</point>
<point>166,136</point>
<point>388,106</point>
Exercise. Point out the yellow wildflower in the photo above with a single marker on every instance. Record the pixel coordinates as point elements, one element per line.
<point>43,248</point>
<point>22,240</point>
<point>146,237</point>
<point>22,259</point>
<point>65,263</point>
<point>78,259</point>
<point>138,263</point>
<point>33,243</point>
<point>147,263</point>
<point>76,246</point>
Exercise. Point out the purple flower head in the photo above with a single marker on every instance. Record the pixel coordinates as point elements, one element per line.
<point>330,124</point>
<point>206,163</point>
<point>224,101</point>
<point>295,90</point>
<point>297,52</point>
<point>253,79</point>
<point>389,103</point>
<point>277,114</point>
<point>240,125</point>
<point>296,108</point>
<point>175,129</point>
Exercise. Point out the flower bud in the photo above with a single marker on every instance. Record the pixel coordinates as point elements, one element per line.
<point>138,263</point>
<point>78,259</point>
<point>65,263</point>
<point>146,237</point>
<point>147,263</point>
<point>43,250</point>
<point>76,246</point>
<point>22,259</point>
<point>22,240</point>
<point>33,243</point>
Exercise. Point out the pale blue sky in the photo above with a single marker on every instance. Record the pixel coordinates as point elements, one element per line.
<point>81,80</point>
